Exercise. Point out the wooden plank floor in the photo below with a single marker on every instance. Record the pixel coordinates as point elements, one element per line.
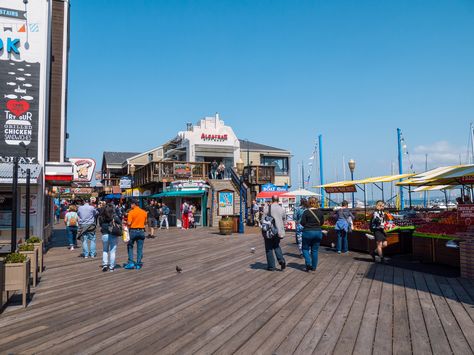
<point>226,302</point>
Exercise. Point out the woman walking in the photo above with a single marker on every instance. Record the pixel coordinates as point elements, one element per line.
<point>111,229</point>
<point>312,220</point>
<point>343,226</point>
<point>71,221</point>
<point>377,225</point>
<point>299,228</point>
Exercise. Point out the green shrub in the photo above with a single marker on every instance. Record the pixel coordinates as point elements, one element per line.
<point>15,258</point>
<point>32,240</point>
<point>26,247</point>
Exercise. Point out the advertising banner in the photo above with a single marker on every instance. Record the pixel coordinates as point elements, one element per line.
<point>23,46</point>
<point>226,203</point>
<point>466,214</point>
<point>83,169</point>
<point>340,189</point>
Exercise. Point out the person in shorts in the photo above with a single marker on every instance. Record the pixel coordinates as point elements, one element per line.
<point>152,212</point>
<point>377,224</point>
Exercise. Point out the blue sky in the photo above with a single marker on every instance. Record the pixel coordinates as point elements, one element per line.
<point>280,73</point>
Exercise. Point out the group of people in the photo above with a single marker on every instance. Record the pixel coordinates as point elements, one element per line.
<point>188,215</point>
<point>309,220</point>
<point>217,170</point>
<point>158,213</point>
<point>81,223</point>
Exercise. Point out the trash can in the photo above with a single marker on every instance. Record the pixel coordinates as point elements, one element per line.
<point>236,224</point>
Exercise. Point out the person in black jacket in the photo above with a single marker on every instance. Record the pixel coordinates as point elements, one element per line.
<point>312,220</point>
<point>109,223</point>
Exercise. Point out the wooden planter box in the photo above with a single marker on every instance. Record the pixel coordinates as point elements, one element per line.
<point>434,250</point>
<point>329,238</point>
<point>17,278</point>
<point>39,248</point>
<point>357,241</point>
<point>2,281</point>
<point>393,244</point>
<point>33,256</point>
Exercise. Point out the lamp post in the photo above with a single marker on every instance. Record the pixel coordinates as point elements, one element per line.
<point>28,195</point>
<point>352,166</point>
<point>14,204</point>
<point>240,170</point>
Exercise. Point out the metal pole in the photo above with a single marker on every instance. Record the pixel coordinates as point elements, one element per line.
<point>409,196</point>
<point>365,200</point>
<point>321,171</point>
<point>14,204</point>
<point>241,219</point>
<point>400,166</point>
<point>27,204</point>
<point>302,174</point>
<point>425,194</point>
<point>353,194</point>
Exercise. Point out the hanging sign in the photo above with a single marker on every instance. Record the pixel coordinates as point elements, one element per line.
<point>225,201</point>
<point>466,214</point>
<point>340,189</point>
<point>83,169</point>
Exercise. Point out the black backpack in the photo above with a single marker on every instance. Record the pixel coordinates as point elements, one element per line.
<point>269,229</point>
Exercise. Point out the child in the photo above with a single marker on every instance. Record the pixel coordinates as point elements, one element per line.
<point>377,225</point>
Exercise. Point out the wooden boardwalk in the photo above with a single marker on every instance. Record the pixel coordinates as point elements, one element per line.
<point>226,302</point>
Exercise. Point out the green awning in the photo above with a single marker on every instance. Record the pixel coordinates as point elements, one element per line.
<point>179,193</point>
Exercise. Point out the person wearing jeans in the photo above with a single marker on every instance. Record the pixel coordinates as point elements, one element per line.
<point>107,219</point>
<point>312,220</point>
<point>273,245</point>
<point>344,218</point>
<point>136,221</point>
<point>71,221</point>
<point>109,243</point>
<point>87,214</point>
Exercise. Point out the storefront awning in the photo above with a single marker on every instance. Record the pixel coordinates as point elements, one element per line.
<point>179,193</point>
<point>6,173</point>
<point>371,180</point>
<point>269,194</point>
<point>449,175</point>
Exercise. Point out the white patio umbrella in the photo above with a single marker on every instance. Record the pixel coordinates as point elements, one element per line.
<point>301,192</point>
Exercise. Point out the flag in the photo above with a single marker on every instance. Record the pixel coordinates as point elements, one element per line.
<point>22,29</point>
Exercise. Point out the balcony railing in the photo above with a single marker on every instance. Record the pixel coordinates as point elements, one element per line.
<point>259,174</point>
<point>170,171</point>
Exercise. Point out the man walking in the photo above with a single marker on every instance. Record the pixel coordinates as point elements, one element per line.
<point>136,221</point>
<point>87,215</point>
<point>273,245</point>
<point>255,215</point>
<point>165,211</point>
<point>152,211</point>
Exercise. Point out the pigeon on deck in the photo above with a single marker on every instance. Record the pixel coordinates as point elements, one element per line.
<point>178,269</point>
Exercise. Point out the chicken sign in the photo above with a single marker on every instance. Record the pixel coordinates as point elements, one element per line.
<point>83,169</point>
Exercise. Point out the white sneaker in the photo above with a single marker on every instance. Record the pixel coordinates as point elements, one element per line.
<point>72,248</point>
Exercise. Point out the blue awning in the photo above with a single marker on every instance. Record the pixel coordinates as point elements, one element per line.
<point>112,196</point>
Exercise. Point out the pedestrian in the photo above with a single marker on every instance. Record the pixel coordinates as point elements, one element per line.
<point>254,213</point>
<point>272,245</point>
<point>299,228</point>
<point>311,220</point>
<point>111,229</point>
<point>221,170</point>
<point>136,220</point>
<point>185,215</point>
<point>214,167</point>
<point>87,215</point>
<point>152,214</point>
<point>57,213</point>
<point>377,225</point>
<point>344,223</point>
<point>165,212</point>
<point>71,220</point>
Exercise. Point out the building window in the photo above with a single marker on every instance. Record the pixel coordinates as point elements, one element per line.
<point>280,164</point>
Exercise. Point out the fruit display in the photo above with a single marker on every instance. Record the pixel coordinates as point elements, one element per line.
<point>441,228</point>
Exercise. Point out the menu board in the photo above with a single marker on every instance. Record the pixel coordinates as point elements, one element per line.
<point>466,214</point>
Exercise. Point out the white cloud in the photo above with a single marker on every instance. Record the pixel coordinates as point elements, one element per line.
<point>440,153</point>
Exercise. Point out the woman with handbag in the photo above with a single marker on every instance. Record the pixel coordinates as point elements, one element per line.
<point>344,218</point>
<point>71,220</point>
<point>312,220</point>
<point>111,229</point>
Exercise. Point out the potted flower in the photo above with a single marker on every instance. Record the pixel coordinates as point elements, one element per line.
<point>226,225</point>
<point>30,251</point>
<point>38,243</point>
<point>17,274</point>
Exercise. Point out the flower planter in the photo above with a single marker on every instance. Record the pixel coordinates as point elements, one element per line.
<point>226,225</point>
<point>39,248</point>
<point>33,256</point>
<point>17,278</point>
<point>423,249</point>
<point>2,281</point>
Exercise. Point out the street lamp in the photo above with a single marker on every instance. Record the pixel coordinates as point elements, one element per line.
<point>352,166</point>
<point>240,170</point>
<point>28,195</point>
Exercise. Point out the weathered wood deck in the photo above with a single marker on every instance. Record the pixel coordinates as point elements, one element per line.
<point>226,302</point>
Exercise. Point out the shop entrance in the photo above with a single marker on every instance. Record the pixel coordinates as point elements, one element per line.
<point>175,216</point>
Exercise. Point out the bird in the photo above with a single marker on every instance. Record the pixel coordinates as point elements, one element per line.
<point>252,250</point>
<point>178,269</point>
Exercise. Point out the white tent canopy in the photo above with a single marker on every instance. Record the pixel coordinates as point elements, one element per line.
<point>301,192</point>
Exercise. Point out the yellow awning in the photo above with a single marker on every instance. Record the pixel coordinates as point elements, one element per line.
<point>371,180</point>
<point>448,175</point>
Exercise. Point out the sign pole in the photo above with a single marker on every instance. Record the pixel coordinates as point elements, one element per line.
<point>27,204</point>
<point>14,205</point>
<point>321,171</point>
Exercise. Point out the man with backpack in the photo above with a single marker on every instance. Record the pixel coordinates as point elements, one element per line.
<point>165,212</point>
<point>273,229</point>
<point>87,224</point>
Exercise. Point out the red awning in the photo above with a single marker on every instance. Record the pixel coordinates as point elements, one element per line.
<point>269,194</point>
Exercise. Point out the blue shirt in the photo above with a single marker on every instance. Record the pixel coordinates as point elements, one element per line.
<point>86,214</point>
